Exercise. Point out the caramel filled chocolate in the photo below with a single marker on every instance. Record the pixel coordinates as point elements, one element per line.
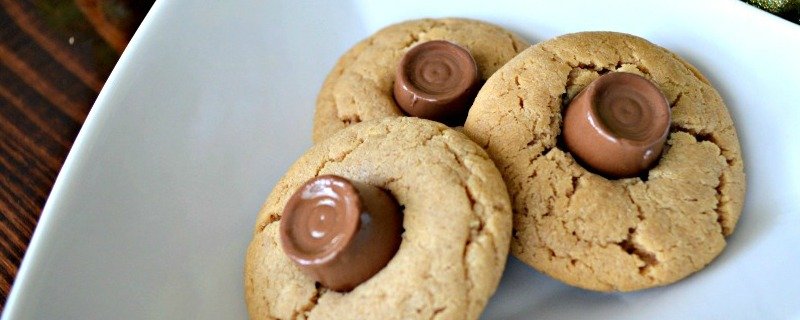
<point>618,125</point>
<point>436,80</point>
<point>340,232</point>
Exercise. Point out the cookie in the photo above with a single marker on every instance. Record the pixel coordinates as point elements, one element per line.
<point>601,233</point>
<point>360,86</point>
<point>456,220</point>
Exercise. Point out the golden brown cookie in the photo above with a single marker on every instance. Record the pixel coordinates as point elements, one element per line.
<point>457,221</point>
<point>359,87</point>
<point>590,231</point>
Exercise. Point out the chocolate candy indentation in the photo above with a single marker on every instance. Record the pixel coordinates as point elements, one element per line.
<point>618,124</point>
<point>340,232</point>
<point>436,80</point>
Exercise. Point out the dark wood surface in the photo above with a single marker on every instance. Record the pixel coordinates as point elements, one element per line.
<point>54,58</point>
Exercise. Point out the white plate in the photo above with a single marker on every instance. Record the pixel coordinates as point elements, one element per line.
<point>212,101</point>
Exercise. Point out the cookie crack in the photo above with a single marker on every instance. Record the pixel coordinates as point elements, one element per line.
<point>639,211</point>
<point>676,101</point>
<point>340,158</point>
<point>477,224</point>
<point>701,136</point>
<point>722,218</point>
<point>575,185</point>
<point>633,51</point>
<point>437,313</point>
<point>602,281</point>
<point>370,42</point>
<point>429,294</point>
<point>307,308</point>
<point>513,42</point>
<point>630,246</point>
<point>353,118</point>
<point>574,261</point>
<point>272,218</point>
<point>350,119</point>
<point>546,144</point>
<point>415,37</point>
<point>719,207</point>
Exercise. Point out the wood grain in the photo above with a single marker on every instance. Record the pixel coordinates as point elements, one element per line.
<point>54,59</point>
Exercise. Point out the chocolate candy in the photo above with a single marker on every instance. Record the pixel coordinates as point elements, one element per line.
<point>618,125</point>
<point>340,232</point>
<point>436,80</point>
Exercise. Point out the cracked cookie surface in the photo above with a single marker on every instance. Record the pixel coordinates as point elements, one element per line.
<point>456,217</point>
<point>593,232</point>
<point>359,87</point>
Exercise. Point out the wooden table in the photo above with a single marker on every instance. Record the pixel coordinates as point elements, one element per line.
<point>54,58</point>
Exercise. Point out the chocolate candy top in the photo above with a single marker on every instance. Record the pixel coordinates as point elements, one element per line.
<point>436,80</point>
<point>618,124</point>
<point>340,232</point>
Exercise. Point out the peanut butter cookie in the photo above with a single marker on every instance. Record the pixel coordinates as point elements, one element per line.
<point>584,228</point>
<point>456,220</point>
<point>359,87</point>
